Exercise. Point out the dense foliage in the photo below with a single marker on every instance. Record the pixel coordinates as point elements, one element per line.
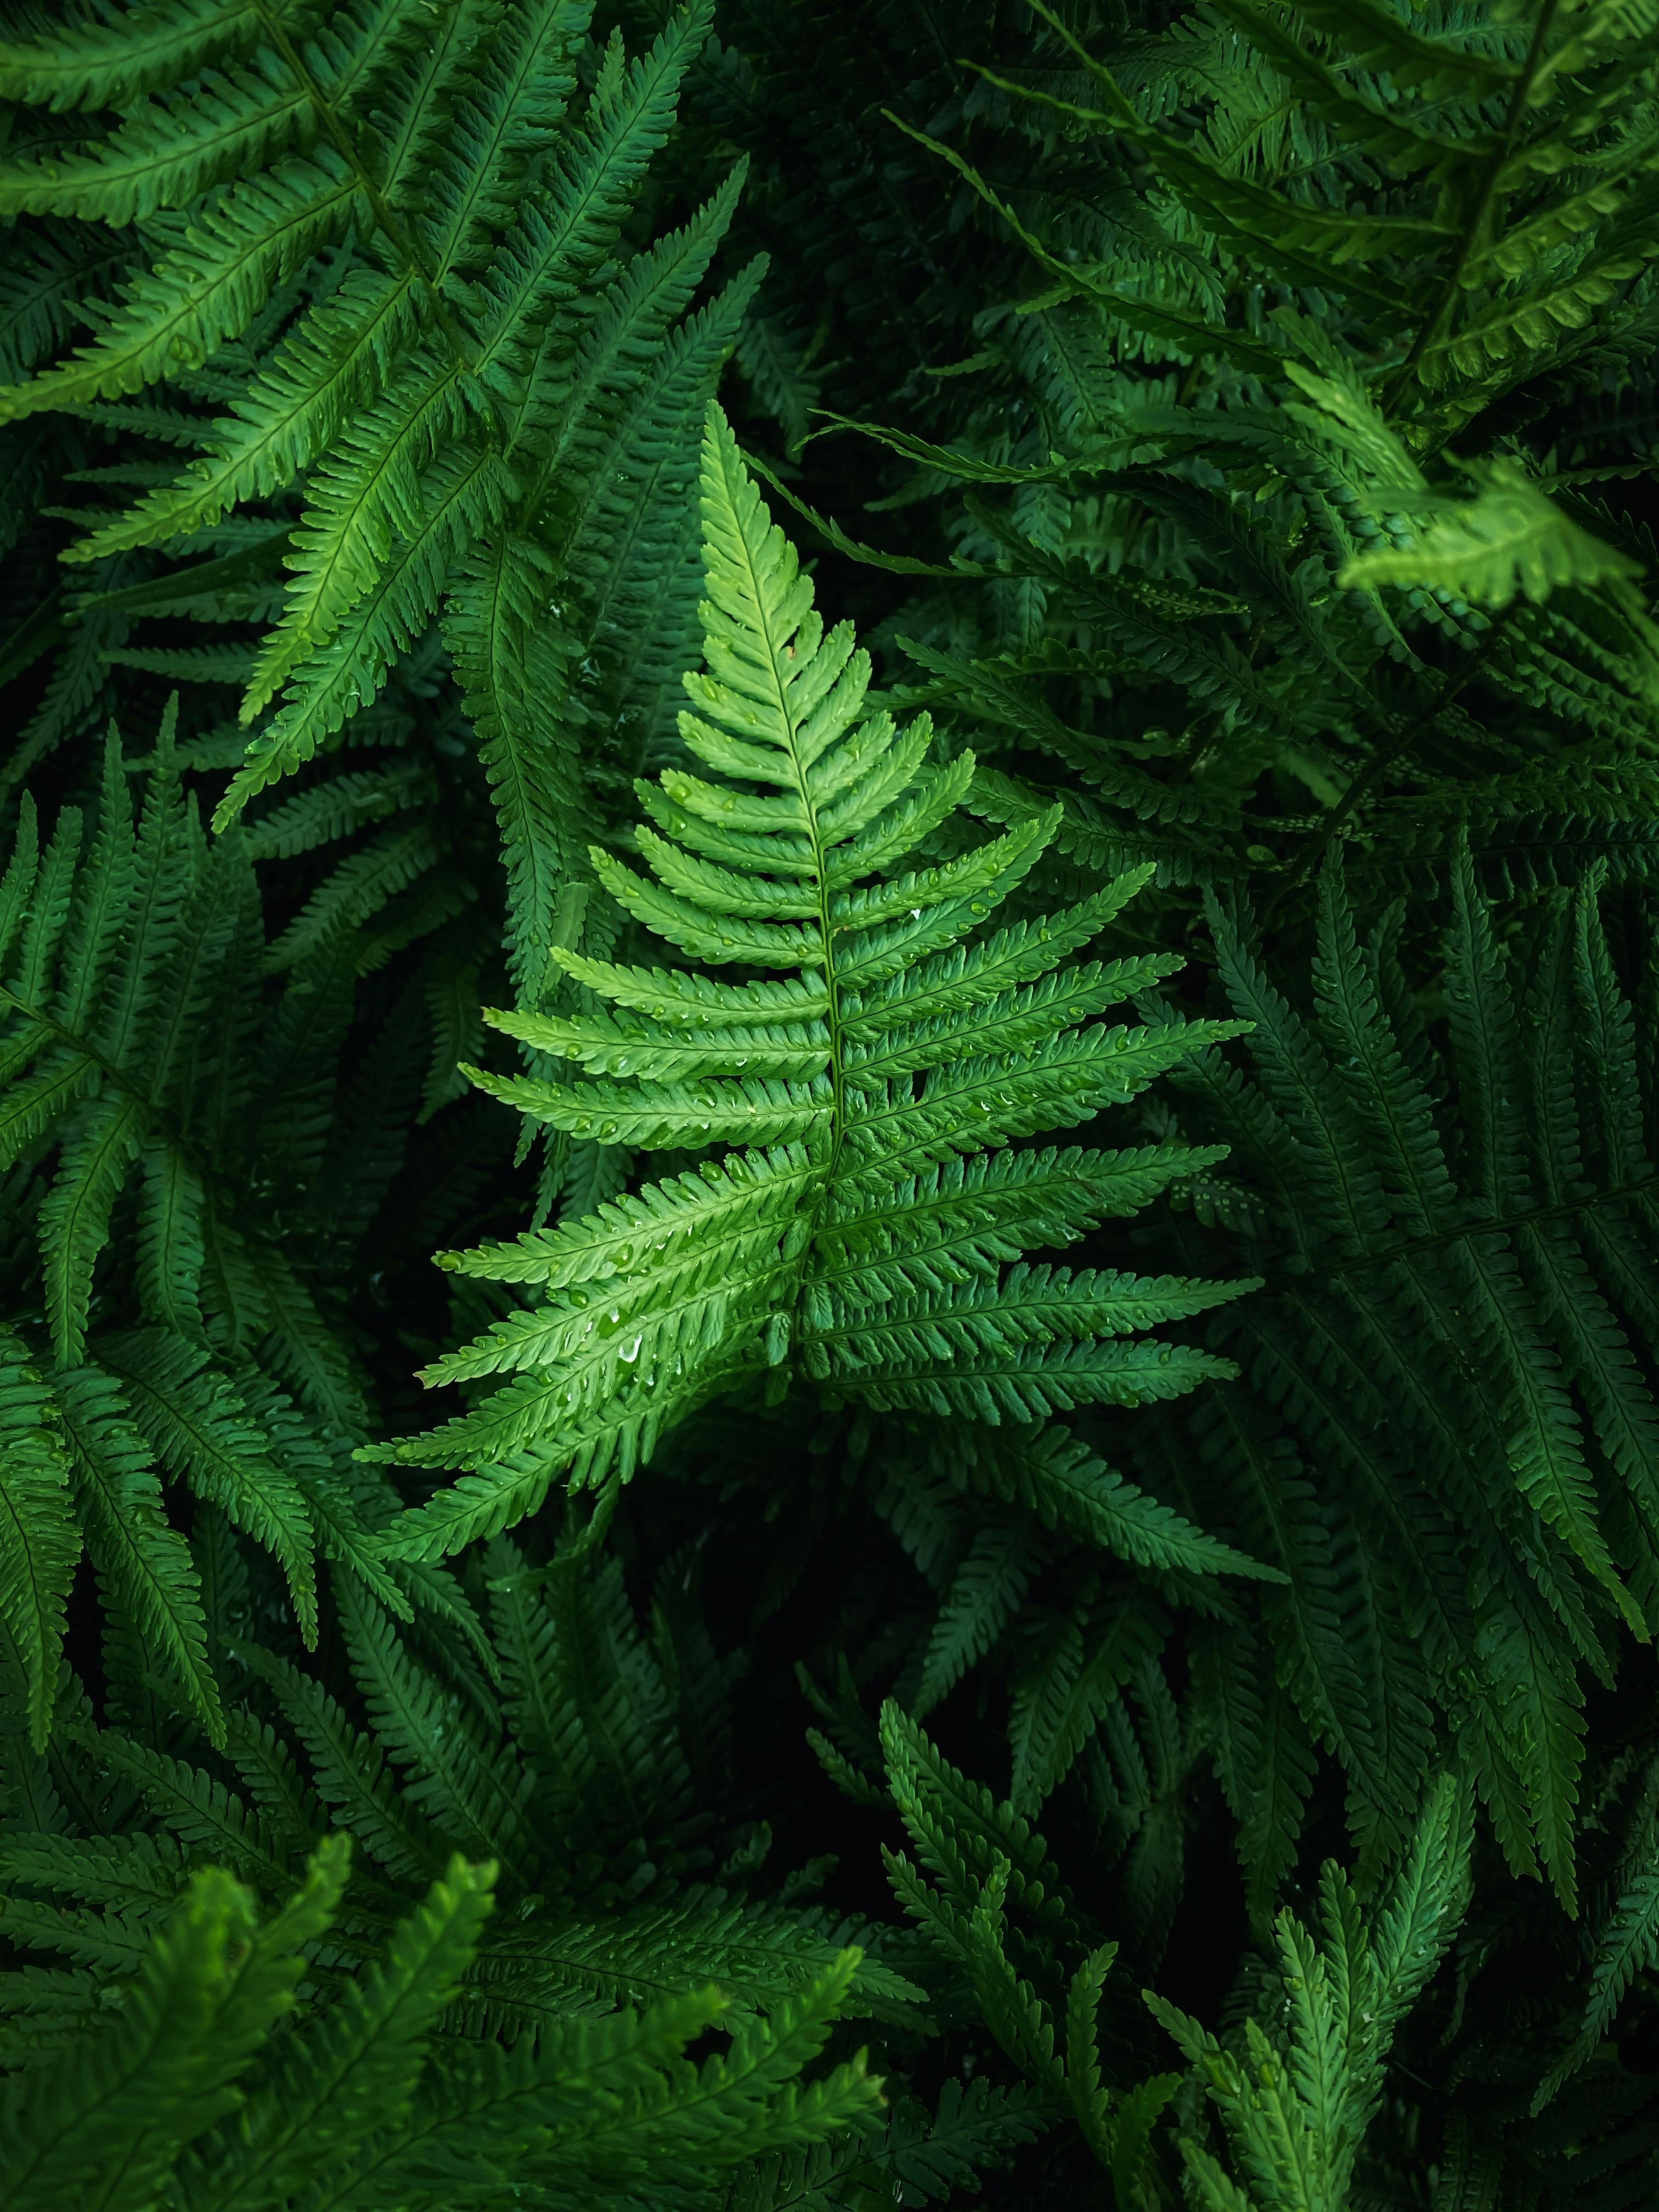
<point>932,732</point>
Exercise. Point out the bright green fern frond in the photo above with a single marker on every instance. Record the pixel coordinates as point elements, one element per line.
<point>1297,2089</point>
<point>159,2075</point>
<point>356,2070</point>
<point>1513,538</point>
<point>508,121</point>
<point>902,1041</point>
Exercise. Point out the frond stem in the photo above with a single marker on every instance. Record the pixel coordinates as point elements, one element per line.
<point>837,1074</point>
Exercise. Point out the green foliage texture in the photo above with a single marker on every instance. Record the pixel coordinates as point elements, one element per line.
<point>829,1105</point>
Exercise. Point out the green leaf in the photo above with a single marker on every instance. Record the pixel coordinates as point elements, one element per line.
<point>39,1541</point>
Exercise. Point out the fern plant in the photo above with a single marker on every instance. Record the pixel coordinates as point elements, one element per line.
<point>1261,488</point>
<point>1265,292</point>
<point>1296,2089</point>
<point>1457,1316</point>
<point>402,2050</point>
<point>362,2101</point>
<point>1253,407</point>
<point>382,240</point>
<point>876,1078</point>
<point>162,1323</point>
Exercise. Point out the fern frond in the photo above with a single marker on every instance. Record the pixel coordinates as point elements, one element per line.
<point>727,1271</point>
<point>349,1770</point>
<point>115,64</point>
<point>412,182</point>
<point>1511,538</point>
<point>201,1432</point>
<point>984,1596</point>
<point>39,1541</point>
<point>144,1562</point>
<point>242,120</point>
<point>1059,1479</point>
<point>162,2073</point>
<point>355,2071</point>
<point>1449,1258</point>
<point>208,289</point>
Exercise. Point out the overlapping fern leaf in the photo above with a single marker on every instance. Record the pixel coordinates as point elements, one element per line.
<point>385,248</point>
<point>1269,498</point>
<point>871,1081</point>
<point>1296,2084</point>
<point>535,2046</point>
<point>212,2081</point>
<point>1450,1432</point>
<point>578,1750</point>
<point>160,1324</point>
<point>1283,474</point>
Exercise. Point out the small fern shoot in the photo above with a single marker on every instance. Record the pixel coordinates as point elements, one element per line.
<point>871,1083</point>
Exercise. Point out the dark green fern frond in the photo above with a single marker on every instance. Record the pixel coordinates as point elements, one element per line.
<point>396,220</point>
<point>40,1540</point>
<point>1459,1315</point>
<point>416,2042</point>
<point>163,1330</point>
